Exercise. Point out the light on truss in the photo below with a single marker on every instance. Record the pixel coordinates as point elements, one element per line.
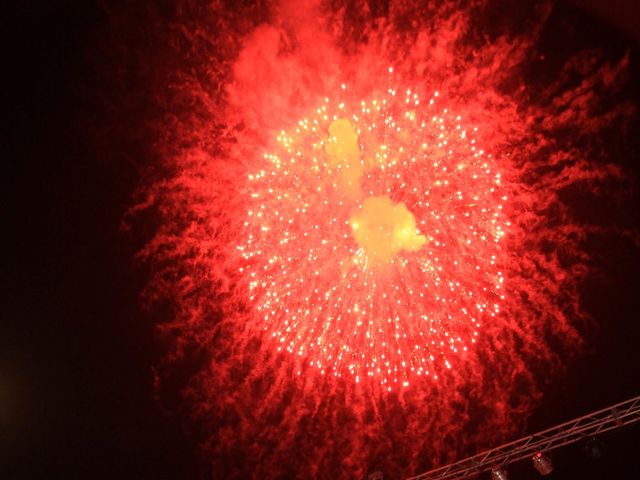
<point>542,463</point>
<point>594,448</point>
<point>499,473</point>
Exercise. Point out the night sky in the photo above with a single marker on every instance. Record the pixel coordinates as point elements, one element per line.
<point>77,351</point>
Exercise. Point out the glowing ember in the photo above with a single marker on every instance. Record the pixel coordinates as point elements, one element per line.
<point>373,237</point>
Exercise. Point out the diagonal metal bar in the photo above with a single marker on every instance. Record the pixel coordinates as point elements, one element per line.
<point>610,418</point>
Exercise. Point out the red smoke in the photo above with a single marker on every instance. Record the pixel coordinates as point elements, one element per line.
<point>502,310</point>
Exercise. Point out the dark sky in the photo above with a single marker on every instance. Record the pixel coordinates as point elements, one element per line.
<point>76,354</point>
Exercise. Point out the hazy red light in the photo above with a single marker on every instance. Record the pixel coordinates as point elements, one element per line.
<point>270,411</point>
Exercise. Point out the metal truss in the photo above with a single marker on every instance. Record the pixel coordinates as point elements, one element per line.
<point>604,420</point>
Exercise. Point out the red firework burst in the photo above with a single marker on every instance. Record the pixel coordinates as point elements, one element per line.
<point>372,237</point>
<point>321,214</point>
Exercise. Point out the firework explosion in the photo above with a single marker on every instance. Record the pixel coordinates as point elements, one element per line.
<point>362,232</point>
<point>339,269</point>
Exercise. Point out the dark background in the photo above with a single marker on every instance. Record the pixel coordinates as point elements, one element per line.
<point>76,353</point>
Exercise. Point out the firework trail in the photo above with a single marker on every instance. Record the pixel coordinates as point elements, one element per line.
<point>361,229</point>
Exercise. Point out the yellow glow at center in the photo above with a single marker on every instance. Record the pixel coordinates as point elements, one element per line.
<point>384,228</point>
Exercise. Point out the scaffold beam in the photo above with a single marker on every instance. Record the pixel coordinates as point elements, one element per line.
<point>607,419</point>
